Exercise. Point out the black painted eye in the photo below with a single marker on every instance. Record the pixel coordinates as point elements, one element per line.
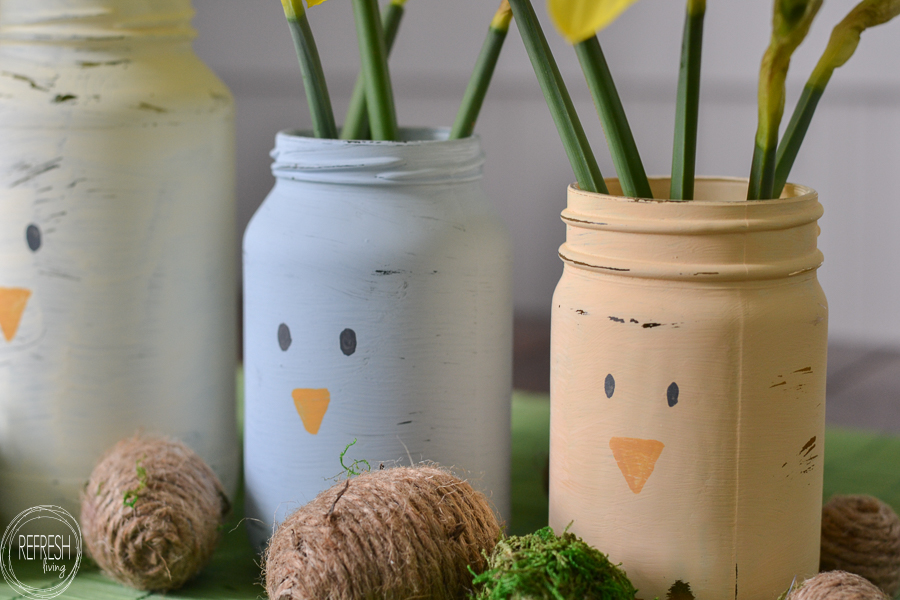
<point>33,237</point>
<point>672,394</point>
<point>348,342</point>
<point>609,385</point>
<point>284,337</point>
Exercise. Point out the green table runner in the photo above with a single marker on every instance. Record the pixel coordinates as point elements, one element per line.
<point>855,462</point>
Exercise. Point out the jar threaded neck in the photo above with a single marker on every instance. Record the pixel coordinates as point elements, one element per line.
<point>61,21</point>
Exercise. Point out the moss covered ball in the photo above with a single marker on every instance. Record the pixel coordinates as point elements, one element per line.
<point>544,566</point>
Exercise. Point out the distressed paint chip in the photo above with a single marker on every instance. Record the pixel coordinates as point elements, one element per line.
<point>636,459</point>
<point>12,305</point>
<point>151,107</point>
<point>808,446</point>
<point>311,405</point>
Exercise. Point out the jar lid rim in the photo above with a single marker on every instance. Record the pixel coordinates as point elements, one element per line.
<point>793,192</point>
<point>425,156</point>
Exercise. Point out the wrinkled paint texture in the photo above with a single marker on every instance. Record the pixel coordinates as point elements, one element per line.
<point>392,274</point>
<point>119,222</point>
<point>701,460</point>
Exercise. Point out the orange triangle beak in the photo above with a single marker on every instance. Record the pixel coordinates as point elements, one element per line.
<point>12,305</point>
<point>311,406</point>
<point>636,459</point>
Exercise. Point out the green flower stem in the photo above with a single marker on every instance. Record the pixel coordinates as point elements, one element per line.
<point>793,136</point>
<point>841,46</point>
<point>687,107</point>
<point>575,142</point>
<point>762,173</point>
<point>373,57</point>
<point>790,24</point>
<point>356,125</point>
<point>311,68</point>
<point>624,151</point>
<point>464,125</point>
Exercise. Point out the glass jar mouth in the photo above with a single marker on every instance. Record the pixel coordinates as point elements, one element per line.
<point>721,236</point>
<point>721,207</point>
<point>714,190</point>
<point>99,21</point>
<point>423,155</point>
<point>409,136</point>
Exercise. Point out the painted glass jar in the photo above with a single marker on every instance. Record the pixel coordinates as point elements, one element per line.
<point>377,308</point>
<point>117,247</point>
<point>688,387</point>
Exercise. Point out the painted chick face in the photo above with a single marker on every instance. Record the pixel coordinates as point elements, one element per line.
<point>328,367</point>
<point>637,457</point>
<point>25,231</point>
<point>678,444</point>
<point>312,403</point>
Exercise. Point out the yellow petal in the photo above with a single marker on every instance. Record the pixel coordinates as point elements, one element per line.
<point>311,3</point>
<point>578,20</point>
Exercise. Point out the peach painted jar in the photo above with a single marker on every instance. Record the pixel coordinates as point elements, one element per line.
<point>688,387</point>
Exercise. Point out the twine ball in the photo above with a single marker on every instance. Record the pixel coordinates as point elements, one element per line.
<point>407,532</point>
<point>861,534</point>
<point>150,513</point>
<point>837,585</point>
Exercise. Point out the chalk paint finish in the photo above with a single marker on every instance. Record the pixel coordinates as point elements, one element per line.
<point>688,387</point>
<point>377,307</point>
<point>117,260</point>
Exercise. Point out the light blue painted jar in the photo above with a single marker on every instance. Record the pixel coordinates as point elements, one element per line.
<point>377,308</point>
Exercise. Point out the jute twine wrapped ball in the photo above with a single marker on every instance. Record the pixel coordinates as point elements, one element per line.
<point>150,513</point>
<point>861,534</point>
<point>837,585</point>
<point>408,532</point>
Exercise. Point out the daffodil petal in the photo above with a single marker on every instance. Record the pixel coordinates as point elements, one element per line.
<point>311,3</point>
<point>578,20</point>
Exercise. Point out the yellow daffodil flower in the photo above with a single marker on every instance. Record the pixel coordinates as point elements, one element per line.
<point>578,20</point>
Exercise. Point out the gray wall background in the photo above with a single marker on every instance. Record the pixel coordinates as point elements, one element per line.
<point>851,155</point>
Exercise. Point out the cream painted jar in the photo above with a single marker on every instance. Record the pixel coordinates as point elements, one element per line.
<point>688,387</point>
<point>377,308</point>
<point>117,255</point>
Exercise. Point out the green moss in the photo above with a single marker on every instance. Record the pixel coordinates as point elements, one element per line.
<point>131,496</point>
<point>544,566</point>
<point>680,591</point>
<point>354,468</point>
